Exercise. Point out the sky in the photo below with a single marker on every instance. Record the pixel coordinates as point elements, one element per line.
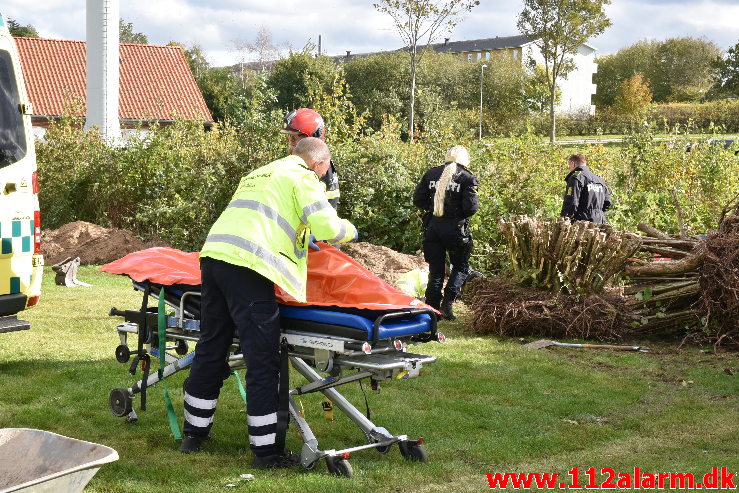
<point>218,26</point>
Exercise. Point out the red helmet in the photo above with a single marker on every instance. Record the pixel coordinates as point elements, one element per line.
<point>306,122</point>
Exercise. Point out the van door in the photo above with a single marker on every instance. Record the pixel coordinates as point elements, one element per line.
<point>21,264</point>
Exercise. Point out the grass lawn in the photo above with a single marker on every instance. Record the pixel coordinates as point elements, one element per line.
<point>487,405</point>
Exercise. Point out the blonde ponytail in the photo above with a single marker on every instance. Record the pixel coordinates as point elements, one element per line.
<point>446,177</point>
<point>457,154</point>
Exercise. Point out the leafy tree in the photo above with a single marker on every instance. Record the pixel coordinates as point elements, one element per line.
<point>559,28</point>
<point>727,73</point>
<point>289,78</point>
<point>377,83</point>
<point>220,88</point>
<point>633,97</point>
<point>684,69</point>
<point>22,31</point>
<point>418,19</point>
<point>679,69</point>
<point>127,35</point>
<point>615,68</point>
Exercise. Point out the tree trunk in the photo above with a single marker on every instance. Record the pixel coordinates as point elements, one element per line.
<point>691,262</point>
<point>552,120</point>
<point>411,112</point>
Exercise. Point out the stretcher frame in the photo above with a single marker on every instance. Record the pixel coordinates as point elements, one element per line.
<point>377,359</point>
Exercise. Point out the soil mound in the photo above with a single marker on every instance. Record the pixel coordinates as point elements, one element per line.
<point>93,244</point>
<point>384,262</point>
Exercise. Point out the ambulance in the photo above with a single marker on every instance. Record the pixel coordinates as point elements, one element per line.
<point>21,262</point>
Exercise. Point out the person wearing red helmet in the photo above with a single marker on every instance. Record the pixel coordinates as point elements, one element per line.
<point>305,122</point>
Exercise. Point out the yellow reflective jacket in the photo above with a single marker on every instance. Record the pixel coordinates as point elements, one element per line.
<point>267,224</point>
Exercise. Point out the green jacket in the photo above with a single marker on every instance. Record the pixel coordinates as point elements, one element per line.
<point>267,224</point>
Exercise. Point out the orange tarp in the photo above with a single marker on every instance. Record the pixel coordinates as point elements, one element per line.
<point>334,278</point>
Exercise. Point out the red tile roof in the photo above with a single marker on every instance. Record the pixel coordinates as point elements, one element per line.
<point>156,82</point>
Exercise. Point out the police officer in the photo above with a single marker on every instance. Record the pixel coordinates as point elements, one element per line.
<point>448,194</point>
<point>587,197</point>
<point>305,122</point>
<point>260,240</point>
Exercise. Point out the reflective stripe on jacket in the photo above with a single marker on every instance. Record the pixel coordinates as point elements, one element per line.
<point>266,225</point>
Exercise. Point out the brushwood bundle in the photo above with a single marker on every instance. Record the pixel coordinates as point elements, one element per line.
<point>561,256</point>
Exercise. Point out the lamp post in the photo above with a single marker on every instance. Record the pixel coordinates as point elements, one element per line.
<point>482,71</point>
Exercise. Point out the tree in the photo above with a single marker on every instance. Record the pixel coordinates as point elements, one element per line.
<point>291,76</point>
<point>684,69</point>
<point>418,19</point>
<point>727,73</point>
<point>613,69</point>
<point>633,97</point>
<point>558,28</point>
<point>22,31</point>
<point>126,34</point>
<point>264,49</point>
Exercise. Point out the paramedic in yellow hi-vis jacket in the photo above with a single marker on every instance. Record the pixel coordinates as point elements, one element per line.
<point>260,240</point>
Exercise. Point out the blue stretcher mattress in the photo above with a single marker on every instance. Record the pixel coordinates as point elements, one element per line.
<point>330,321</point>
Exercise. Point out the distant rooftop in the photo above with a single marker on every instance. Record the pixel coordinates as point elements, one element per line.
<point>155,81</point>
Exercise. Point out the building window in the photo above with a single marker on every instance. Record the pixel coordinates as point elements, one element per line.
<point>514,54</point>
<point>487,55</point>
<point>469,57</point>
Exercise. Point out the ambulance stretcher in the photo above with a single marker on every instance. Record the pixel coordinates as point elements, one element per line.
<point>330,345</point>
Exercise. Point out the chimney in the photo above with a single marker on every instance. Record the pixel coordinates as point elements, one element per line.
<point>319,45</point>
<point>103,68</point>
<point>348,53</point>
<point>446,41</point>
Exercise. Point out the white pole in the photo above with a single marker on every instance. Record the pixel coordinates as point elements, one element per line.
<point>103,72</point>
<point>482,70</point>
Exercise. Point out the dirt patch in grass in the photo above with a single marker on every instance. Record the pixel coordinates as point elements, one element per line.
<point>93,244</point>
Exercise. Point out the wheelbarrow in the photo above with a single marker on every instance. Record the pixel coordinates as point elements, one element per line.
<point>37,461</point>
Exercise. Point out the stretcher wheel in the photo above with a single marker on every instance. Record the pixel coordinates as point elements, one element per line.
<point>181,348</point>
<point>413,451</point>
<point>122,354</point>
<point>121,402</point>
<point>339,467</point>
<point>383,449</point>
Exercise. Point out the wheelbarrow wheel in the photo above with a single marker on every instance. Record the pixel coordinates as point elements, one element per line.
<point>121,402</point>
<point>413,451</point>
<point>339,467</point>
<point>122,353</point>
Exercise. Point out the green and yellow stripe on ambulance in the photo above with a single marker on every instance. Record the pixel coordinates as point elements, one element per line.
<point>17,273</point>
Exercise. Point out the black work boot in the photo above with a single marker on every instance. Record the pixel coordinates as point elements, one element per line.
<point>191,443</point>
<point>446,310</point>
<point>285,460</point>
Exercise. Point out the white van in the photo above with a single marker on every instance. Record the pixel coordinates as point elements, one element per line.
<point>21,262</point>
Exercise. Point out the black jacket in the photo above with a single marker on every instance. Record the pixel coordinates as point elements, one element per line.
<point>460,201</point>
<point>331,180</point>
<point>586,197</point>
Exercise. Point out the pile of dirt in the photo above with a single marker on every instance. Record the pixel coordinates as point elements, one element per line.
<point>93,244</point>
<point>384,262</point>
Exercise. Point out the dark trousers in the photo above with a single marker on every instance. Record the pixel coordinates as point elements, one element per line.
<point>236,300</point>
<point>441,237</point>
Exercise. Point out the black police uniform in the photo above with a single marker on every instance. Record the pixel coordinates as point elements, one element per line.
<point>587,197</point>
<point>331,180</point>
<point>448,233</point>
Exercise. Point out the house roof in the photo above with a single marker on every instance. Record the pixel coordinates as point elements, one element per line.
<point>155,81</point>
<point>485,44</point>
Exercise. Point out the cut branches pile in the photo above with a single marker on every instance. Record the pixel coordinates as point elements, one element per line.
<point>671,286</point>
<point>561,256</point>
